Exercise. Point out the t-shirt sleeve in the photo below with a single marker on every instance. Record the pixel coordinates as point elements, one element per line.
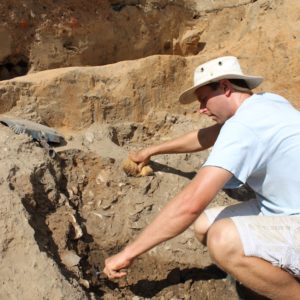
<point>236,150</point>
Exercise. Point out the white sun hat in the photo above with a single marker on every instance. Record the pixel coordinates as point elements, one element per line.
<point>226,67</point>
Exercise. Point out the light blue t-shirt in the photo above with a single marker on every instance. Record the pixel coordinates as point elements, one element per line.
<point>260,145</point>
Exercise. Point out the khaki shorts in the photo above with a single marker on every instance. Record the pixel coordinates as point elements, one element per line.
<point>273,238</point>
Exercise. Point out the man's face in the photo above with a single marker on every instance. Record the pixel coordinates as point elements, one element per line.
<point>215,103</point>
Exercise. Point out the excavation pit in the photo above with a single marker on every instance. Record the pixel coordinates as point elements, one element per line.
<point>83,209</point>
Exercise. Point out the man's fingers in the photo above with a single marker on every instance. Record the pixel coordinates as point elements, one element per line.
<point>139,157</point>
<point>133,156</point>
<point>116,265</point>
<point>118,274</point>
<point>113,274</point>
<point>141,165</point>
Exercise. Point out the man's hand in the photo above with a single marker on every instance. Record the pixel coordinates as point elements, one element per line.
<point>115,264</point>
<point>141,157</point>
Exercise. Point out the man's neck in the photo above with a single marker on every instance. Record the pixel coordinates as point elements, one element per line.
<point>239,97</point>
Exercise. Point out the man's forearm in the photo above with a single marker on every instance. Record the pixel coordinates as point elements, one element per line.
<point>197,140</point>
<point>177,215</point>
<point>180,212</point>
<point>184,144</point>
<point>169,223</point>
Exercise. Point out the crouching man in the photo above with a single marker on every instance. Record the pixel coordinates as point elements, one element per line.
<point>256,140</point>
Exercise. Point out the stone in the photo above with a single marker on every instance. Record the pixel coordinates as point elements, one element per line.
<point>70,259</point>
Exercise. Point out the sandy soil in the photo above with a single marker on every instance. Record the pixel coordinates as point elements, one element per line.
<point>107,75</point>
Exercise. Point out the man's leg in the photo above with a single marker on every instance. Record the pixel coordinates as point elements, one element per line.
<point>205,220</point>
<point>226,251</point>
<point>201,226</point>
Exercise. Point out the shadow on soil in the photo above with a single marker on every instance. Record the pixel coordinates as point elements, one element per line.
<point>167,169</point>
<point>150,288</point>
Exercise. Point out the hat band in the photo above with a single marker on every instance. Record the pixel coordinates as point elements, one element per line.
<point>239,88</point>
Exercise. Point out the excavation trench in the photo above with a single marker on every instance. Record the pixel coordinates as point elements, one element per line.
<point>83,209</point>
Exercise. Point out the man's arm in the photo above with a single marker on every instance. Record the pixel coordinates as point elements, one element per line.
<point>174,218</point>
<point>191,142</point>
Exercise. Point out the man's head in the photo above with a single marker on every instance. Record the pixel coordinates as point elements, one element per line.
<point>220,100</point>
<point>215,70</point>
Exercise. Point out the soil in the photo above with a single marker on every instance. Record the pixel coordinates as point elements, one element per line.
<point>107,75</point>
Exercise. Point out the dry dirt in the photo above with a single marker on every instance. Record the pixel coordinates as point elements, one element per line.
<point>107,75</point>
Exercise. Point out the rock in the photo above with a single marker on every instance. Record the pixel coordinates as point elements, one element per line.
<point>189,42</point>
<point>89,137</point>
<point>70,259</point>
<point>77,231</point>
<point>84,283</point>
<point>103,177</point>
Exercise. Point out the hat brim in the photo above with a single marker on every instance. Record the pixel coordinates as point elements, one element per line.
<point>189,96</point>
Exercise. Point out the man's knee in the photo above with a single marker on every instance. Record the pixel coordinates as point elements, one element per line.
<point>223,242</point>
<point>200,227</point>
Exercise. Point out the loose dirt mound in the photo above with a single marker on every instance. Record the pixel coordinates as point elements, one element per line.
<point>127,63</point>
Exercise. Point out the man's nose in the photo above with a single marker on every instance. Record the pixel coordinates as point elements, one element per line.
<point>202,108</point>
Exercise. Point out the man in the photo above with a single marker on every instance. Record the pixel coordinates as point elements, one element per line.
<point>256,141</point>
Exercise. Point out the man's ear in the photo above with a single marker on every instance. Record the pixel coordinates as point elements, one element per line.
<point>226,87</point>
